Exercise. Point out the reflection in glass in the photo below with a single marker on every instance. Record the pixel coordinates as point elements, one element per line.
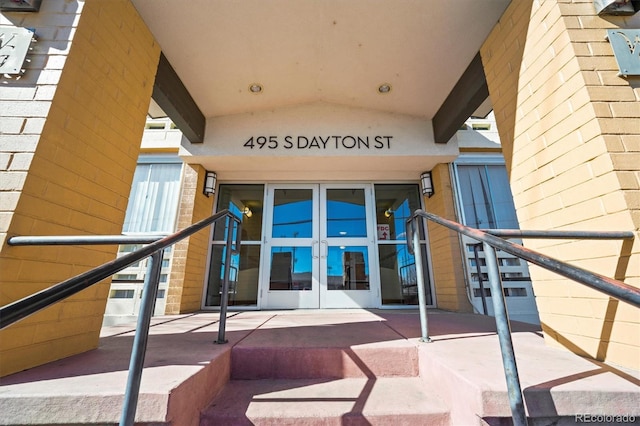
<point>243,279</point>
<point>291,268</point>
<point>292,213</point>
<point>346,213</point>
<point>398,275</point>
<point>394,205</point>
<point>348,268</point>
<point>245,201</point>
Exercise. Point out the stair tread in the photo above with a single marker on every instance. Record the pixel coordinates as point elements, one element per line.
<point>385,398</point>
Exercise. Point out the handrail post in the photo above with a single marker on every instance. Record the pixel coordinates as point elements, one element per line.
<point>504,335</point>
<point>224,299</point>
<point>476,249</point>
<point>149,293</point>
<point>422,299</point>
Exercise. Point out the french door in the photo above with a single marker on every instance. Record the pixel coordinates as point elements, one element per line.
<point>319,247</point>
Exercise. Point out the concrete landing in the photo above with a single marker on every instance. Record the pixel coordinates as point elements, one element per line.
<point>185,371</point>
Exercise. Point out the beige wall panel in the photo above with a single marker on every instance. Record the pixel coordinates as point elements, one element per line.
<point>564,115</point>
<point>71,152</point>
<point>190,255</point>
<point>444,246</point>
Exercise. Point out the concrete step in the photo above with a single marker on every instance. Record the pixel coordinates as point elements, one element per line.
<point>255,363</point>
<point>309,402</point>
<point>315,346</point>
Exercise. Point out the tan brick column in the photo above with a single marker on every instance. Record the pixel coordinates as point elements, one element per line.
<point>71,131</point>
<point>570,128</point>
<point>444,246</point>
<point>190,255</point>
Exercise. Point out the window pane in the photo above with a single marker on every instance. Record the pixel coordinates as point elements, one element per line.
<point>346,214</point>
<point>243,279</point>
<point>486,197</point>
<point>153,201</point>
<point>292,213</point>
<point>348,268</point>
<point>121,294</point>
<point>504,210</point>
<point>398,275</point>
<point>394,206</point>
<point>291,268</point>
<point>245,201</point>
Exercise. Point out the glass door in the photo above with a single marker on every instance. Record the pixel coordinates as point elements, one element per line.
<point>291,251</point>
<point>319,247</point>
<point>346,242</point>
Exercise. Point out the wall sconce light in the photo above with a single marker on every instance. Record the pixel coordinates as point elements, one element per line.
<point>20,5</point>
<point>209,183</point>
<point>247,212</point>
<point>616,7</point>
<point>427,184</point>
<point>388,212</point>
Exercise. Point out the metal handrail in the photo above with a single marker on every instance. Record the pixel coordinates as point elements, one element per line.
<point>546,234</point>
<point>29,305</point>
<point>491,242</point>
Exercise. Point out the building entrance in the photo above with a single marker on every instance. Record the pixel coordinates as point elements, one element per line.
<point>319,246</point>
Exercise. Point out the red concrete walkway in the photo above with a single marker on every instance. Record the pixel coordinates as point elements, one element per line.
<point>460,372</point>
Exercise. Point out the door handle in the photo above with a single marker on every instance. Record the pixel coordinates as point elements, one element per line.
<point>326,248</point>
<point>313,249</point>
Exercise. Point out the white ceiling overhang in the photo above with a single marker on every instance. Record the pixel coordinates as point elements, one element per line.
<point>331,51</point>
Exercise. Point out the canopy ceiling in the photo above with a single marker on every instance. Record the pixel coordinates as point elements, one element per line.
<point>309,51</point>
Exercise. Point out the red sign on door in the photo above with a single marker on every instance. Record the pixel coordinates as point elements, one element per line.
<point>384,232</point>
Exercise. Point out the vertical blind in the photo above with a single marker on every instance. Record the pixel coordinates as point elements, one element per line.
<point>486,197</point>
<point>153,202</point>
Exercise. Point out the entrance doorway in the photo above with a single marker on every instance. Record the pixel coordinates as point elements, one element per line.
<point>313,245</point>
<point>319,246</point>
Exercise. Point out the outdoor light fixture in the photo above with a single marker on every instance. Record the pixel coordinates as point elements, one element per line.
<point>209,183</point>
<point>388,212</point>
<point>247,212</point>
<point>427,184</point>
<point>20,5</point>
<point>616,7</point>
<point>384,88</point>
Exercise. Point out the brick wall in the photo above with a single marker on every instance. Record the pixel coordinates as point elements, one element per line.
<point>71,131</point>
<point>444,246</point>
<point>190,255</point>
<point>570,133</point>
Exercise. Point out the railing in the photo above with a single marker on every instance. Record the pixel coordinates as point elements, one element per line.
<point>29,305</point>
<point>491,241</point>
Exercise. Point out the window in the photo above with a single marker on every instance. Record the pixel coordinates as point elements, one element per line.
<point>121,294</point>
<point>154,126</point>
<point>395,203</point>
<point>153,202</point>
<point>125,277</point>
<point>246,201</point>
<point>486,197</point>
<point>481,126</point>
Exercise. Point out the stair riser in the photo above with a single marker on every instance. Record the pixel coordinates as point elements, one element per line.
<point>313,363</point>
<point>345,420</point>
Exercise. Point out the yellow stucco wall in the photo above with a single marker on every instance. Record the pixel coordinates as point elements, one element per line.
<point>444,246</point>
<point>190,255</point>
<point>570,131</point>
<point>79,176</point>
